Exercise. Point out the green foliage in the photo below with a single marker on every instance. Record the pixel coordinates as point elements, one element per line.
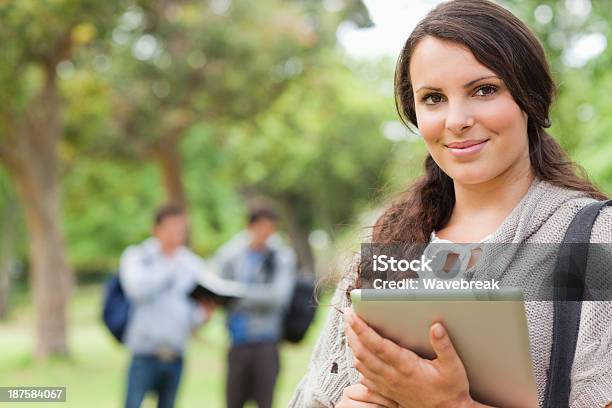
<point>107,206</point>
<point>320,147</point>
<point>174,66</point>
<point>581,116</point>
<point>42,33</point>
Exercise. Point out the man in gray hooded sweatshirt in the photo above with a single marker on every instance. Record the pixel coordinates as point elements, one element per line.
<point>157,276</point>
<point>258,258</point>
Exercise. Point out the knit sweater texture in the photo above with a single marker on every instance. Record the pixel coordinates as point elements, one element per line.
<point>542,216</point>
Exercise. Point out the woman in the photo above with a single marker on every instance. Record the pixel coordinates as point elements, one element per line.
<point>475,81</point>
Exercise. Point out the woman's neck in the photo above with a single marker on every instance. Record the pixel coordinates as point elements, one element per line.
<point>481,208</point>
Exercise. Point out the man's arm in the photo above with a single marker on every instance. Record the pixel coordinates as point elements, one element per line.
<point>142,280</point>
<point>201,311</point>
<point>220,263</point>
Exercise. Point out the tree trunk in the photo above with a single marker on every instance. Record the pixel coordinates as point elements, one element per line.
<point>8,231</point>
<point>50,274</point>
<point>169,159</point>
<point>33,166</point>
<point>299,238</point>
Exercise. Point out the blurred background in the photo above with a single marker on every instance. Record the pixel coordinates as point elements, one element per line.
<point>110,108</point>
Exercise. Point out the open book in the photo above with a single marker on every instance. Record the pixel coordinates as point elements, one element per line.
<point>221,291</point>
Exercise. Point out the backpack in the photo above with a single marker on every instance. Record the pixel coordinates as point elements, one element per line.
<point>302,307</point>
<point>301,310</point>
<point>569,278</point>
<point>116,310</point>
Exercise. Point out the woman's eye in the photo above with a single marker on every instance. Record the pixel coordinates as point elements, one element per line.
<point>432,99</point>
<point>486,90</point>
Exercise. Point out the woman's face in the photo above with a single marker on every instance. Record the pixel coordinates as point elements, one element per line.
<point>473,128</point>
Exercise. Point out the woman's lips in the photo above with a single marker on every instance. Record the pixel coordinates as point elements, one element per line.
<point>469,149</point>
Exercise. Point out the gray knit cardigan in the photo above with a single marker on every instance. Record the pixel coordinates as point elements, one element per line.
<point>542,216</point>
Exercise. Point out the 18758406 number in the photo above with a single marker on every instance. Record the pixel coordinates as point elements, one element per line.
<point>32,394</point>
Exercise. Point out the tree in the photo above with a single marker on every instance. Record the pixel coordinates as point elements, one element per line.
<point>581,114</point>
<point>175,64</point>
<point>320,150</point>
<point>37,36</point>
<point>8,240</point>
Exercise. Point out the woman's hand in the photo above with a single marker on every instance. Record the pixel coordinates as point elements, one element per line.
<point>401,375</point>
<point>359,396</point>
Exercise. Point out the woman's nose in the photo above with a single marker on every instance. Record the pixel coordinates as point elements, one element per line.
<point>459,118</point>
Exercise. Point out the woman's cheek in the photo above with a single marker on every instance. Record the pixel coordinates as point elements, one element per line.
<point>507,124</point>
<point>499,115</point>
<point>431,127</point>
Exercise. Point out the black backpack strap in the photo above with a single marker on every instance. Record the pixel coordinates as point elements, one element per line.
<point>569,290</point>
<point>269,265</point>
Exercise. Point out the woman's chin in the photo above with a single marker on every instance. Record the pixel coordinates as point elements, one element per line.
<point>471,176</point>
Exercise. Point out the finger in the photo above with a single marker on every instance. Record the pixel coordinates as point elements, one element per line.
<point>366,361</point>
<point>347,403</point>
<point>373,386</point>
<point>385,349</point>
<point>368,336</point>
<point>443,346</point>
<point>360,392</point>
<point>377,381</point>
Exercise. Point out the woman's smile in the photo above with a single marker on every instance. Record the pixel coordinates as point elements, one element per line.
<point>466,148</point>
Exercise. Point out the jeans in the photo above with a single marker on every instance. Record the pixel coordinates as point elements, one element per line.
<point>149,373</point>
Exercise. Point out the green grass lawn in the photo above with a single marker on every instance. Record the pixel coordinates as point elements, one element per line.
<point>94,375</point>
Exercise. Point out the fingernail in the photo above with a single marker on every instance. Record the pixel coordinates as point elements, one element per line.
<point>438,331</point>
<point>348,315</point>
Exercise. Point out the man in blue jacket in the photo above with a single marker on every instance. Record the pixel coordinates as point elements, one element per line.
<point>157,276</point>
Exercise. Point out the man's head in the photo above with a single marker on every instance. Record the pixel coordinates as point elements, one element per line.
<point>262,224</point>
<point>170,227</point>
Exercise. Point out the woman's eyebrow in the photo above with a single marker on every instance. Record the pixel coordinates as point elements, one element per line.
<point>479,79</point>
<point>431,88</point>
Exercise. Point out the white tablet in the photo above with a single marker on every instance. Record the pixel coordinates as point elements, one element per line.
<point>487,328</point>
